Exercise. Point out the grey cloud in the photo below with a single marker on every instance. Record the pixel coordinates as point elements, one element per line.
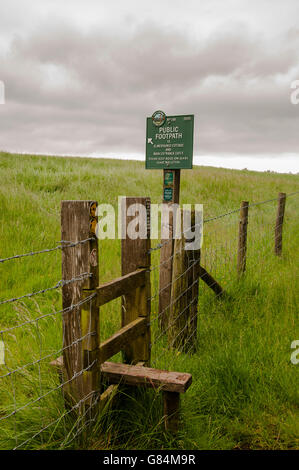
<point>70,91</point>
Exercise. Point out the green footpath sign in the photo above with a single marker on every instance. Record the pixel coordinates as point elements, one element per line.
<point>169,141</point>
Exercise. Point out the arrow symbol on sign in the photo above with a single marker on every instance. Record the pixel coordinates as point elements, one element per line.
<point>150,140</point>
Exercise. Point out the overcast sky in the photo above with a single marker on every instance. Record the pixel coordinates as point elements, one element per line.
<point>81,76</point>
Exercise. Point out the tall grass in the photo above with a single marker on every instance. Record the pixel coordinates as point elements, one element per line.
<point>245,389</point>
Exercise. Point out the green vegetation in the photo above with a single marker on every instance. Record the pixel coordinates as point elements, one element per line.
<point>245,389</point>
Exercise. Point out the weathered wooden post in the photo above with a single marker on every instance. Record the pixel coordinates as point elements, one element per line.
<point>171,409</point>
<point>242,240</point>
<point>171,196</point>
<point>193,257</point>
<point>178,315</point>
<point>135,254</point>
<point>184,294</point>
<point>81,335</point>
<point>279,223</point>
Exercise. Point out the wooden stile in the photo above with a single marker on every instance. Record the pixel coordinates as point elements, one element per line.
<point>279,223</point>
<point>242,240</point>
<point>83,366</point>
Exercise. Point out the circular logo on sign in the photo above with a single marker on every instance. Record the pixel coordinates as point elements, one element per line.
<point>158,118</point>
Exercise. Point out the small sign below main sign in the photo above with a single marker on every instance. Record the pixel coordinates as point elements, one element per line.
<point>168,178</point>
<point>169,141</point>
<point>168,194</point>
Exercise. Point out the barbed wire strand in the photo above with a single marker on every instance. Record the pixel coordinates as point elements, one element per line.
<point>233,211</point>
<point>47,250</point>
<point>59,284</point>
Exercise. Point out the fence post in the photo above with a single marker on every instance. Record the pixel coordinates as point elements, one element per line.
<point>171,407</point>
<point>279,223</point>
<point>167,250</point>
<point>135,254</point>
<point>184,294</point>
<point>242,241</point>
<point>80,324</point>
<point>194,271</point>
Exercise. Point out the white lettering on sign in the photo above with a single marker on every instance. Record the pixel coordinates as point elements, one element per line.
<point>168,133</point>
<point>172,135</point>
<point>169,129</point>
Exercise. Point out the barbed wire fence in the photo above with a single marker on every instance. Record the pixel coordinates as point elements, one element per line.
<point>217,275</point>
<point>29,392</point>
<point>34,407</point>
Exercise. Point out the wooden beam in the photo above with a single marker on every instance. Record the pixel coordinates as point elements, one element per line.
<point>140,376</point>
<point>210,281</point>
<point>120,286</point>
<point>116,373</point>
<point>123,337</point>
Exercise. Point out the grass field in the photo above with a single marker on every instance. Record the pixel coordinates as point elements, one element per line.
<point>245,389</point>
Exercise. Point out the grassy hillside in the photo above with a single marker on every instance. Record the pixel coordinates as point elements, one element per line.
<point>245,389</point>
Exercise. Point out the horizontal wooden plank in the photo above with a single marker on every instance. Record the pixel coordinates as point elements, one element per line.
<point>120,286</point>
<point>122,337</point>
<point>115,373</point>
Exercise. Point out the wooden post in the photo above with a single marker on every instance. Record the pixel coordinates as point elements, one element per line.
<point>184,295</point>
<point>135,254</point>
<point>171,189</point>
<point>171,405</point>
<point>178,315</point>
<point>242,241</point>
<point>193,263</point>
<point>81,324</point>
<point>279,223</point>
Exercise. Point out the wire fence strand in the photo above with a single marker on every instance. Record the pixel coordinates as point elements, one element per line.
<point>26,382</point>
